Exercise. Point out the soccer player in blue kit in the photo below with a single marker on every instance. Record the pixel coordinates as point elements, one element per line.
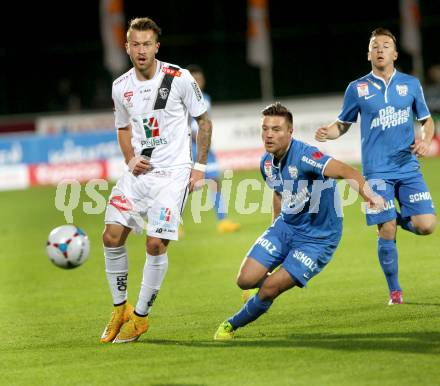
<point>387,100</point>
<point>307,223</point>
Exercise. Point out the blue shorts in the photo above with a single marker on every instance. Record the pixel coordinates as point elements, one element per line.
<point>212,168</point>
<point>411,193</point>
<point>301,258</point>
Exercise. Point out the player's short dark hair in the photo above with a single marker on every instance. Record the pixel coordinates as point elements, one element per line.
<point>192,68</point>
<point>278,110</point>
<point>383,32</point>
<point>144,24</point>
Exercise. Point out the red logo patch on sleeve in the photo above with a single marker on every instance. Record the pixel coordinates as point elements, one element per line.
<point>317,155</point>
<point>170,71</point>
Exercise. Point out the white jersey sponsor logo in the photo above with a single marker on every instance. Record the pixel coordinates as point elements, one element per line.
<point>402,89</point>
<point>295,201</point>
<point>389,117</point>
<point>268,169</point>
<point>311,162</point>
<point>362,89</point>
<point>293,171</point>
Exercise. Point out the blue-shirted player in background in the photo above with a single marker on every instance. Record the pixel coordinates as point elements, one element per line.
<point>306,210</point>
<point>224,225</point>
<point>387,101</point>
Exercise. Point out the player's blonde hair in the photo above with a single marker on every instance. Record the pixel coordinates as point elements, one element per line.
<point>143,24</point>
<point>384,32</point>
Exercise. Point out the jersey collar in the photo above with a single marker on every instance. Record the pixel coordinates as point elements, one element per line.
<point>283,158</point>
<point>382,79</point>
<point>141,82</point>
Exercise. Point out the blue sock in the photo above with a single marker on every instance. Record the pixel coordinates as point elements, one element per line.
<point>252,310</point>
<point>406,223</point>
<point>387,252</point>
<point>219,205</point>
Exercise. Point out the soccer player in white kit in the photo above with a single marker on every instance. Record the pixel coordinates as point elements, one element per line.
<point>153,103</point>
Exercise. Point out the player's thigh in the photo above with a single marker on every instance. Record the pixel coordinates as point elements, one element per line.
<point>387,230</point>
<point>308,259</point>
<point>167,201</point>
<point>251,272</point>
<point>120,210</point>
<point>414,197</point>
<point>115,235</point>
<point>271,248</point>
<point>385,188</point>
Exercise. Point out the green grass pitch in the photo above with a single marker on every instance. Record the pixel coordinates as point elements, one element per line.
<point>338,331</point>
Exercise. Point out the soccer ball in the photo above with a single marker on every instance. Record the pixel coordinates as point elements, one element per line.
<point>68,246</point>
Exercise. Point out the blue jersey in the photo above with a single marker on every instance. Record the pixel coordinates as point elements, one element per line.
<point>310,202</point>
<point>387,130</point>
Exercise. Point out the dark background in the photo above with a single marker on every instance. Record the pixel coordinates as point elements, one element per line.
<point>54,63</point>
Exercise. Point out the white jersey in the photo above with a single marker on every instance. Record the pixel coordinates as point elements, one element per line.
<point>158,112</point>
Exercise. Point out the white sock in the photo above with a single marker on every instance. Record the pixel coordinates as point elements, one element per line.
<point>155,270</point>
<point>116,268</point>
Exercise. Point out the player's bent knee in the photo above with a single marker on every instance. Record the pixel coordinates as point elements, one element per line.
<point>269,292</point>
<point>156,246</point>
<point>388,230</point>
<point>427,227</point>
<point>245,282</point>
<point>111,240</point>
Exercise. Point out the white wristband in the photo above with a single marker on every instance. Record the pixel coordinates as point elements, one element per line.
<point>199,167</point>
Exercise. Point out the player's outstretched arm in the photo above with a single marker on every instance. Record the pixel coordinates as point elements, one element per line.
<point>338,170</point>
<point>332,131</point>
<point>203,144</point>
<point>421,144</point>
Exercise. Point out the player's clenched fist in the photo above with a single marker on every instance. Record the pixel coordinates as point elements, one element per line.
<point>321,134</point>
<point>139,165</point>
<point>376,202</point>
<point>420,147</point>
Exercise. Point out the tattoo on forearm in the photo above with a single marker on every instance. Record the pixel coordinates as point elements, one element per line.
<point>203,138</point>
<point>342,128</point>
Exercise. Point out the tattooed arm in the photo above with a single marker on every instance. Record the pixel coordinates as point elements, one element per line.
<point>203,144</point>
<point>203,138</point>
<point>332,131</point>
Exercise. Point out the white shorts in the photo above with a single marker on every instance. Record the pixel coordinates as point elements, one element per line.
<point>152,201</point>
